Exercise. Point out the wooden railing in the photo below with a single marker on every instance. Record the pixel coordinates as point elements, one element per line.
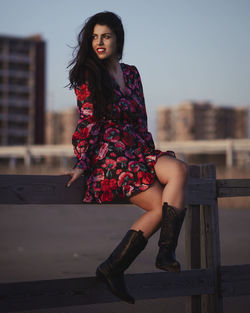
<point>205,283</point>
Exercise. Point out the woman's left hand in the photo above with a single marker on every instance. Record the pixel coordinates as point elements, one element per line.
<point>75,174</point>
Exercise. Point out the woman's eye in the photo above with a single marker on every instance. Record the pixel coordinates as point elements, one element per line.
<point>107,36</point>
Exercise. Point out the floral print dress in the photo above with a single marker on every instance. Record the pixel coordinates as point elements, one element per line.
<point>117,155</point>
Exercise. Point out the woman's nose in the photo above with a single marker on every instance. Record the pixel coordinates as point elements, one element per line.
<point>100,41</point>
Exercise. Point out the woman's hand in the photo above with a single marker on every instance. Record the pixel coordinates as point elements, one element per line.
<point>75,174</point>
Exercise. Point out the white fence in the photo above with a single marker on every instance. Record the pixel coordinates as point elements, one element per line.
<point>227,146</point>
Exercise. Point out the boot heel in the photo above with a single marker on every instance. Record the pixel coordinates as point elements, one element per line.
<point>111,271</point>
<point>114,286</point>
<point>170,230</point>
<point>175,267</point>
<point>100,275</point>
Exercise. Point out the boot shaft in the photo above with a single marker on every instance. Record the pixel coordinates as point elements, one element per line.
<point>126,251</point>
<point>170,226</point>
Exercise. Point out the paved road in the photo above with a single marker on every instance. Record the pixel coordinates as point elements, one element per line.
<point>41,242</point>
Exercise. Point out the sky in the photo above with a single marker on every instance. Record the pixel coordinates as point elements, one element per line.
<point>184,49</point>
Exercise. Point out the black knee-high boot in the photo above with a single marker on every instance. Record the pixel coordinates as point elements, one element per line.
<point>170,230</point>
<point>111,270</point>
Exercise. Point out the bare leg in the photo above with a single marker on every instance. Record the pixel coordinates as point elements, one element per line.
<point>172,173</point>
<point>151,201</point>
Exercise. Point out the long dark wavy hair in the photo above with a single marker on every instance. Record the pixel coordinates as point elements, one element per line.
<point>85,67</point>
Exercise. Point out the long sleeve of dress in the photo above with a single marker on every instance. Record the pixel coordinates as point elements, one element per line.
<point>142,127</point>
<point>87,130</point>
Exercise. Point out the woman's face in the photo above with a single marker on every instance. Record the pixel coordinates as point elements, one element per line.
<point>104,42</point>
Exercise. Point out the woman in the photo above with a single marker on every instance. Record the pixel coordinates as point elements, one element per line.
<point>116,153</point>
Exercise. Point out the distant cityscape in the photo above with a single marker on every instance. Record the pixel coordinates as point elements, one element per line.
<point>24,120</point>
<point>202,121</point>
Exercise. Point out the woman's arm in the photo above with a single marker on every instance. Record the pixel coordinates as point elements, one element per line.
<point>142,124</point>
<point>87,129</point>
<point>85,135</point>
<point>142,127</point>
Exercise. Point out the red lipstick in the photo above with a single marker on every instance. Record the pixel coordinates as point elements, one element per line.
<point>100,50</point>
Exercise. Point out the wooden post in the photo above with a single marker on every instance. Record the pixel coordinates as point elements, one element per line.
<point>12,163</point>
<point>64,162</point>
<point>192,237</point>
<point>229,154</point>
<point>210,245</point>
<point>27,157</point>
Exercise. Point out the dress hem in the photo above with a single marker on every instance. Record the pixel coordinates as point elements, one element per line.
<point>126,199</point>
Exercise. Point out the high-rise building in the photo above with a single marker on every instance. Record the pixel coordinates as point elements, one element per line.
<point>201,121</point>
<point>22,90</point>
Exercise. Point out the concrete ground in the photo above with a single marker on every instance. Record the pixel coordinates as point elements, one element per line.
<point>50,242</point>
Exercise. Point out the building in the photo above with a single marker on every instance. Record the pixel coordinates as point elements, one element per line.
<point>22,90</point>
<point>60,126</point>
<point>201,121</point>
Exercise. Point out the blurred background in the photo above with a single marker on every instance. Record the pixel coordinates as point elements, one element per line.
<point>194,61</point>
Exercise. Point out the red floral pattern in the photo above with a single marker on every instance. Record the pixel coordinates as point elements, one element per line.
<point>118,154</point>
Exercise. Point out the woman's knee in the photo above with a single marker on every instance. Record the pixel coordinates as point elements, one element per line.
<point>173,169</point>
<point>183,170</point>
<point>180,173</point>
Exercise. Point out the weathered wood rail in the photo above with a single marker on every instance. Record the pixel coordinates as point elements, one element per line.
<point>205,283</point>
